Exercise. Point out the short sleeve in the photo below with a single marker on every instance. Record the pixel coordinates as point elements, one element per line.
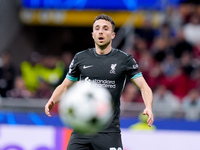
<point>73,73</point>
<point>132,70</point>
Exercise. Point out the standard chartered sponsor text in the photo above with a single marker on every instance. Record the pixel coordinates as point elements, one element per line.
<point>105,83</point>
<point>101,83</point>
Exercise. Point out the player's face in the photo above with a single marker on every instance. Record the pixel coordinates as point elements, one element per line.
<point>102,32</point>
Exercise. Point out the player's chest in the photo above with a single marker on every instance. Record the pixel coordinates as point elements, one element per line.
<point>101,68</point>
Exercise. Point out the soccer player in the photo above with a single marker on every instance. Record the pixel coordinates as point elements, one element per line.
<point>109,68</point>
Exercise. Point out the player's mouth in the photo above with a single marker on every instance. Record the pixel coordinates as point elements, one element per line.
<point>101,39</point>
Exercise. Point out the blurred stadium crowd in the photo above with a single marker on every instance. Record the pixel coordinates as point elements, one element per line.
<point>168,56</point>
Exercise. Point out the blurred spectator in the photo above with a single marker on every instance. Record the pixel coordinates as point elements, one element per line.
<point>155,76</point>
<point>196,78</point>
<point>131,94</point>
<point>186,8</point>
<point>198,9</point>
<point>165,103</point>
<point>191,105</point>
<point>29,71</point>
<point>47,68</point>
<point>169,65</point>
<point>160,48</point>
<point>186,62</point>
<point>44,90</point>
<point>196,53</point>
<point>146,31</point>
<point>140,46</point>
<point>67,57</point>
<point>51,70</point>
<point>181,45</point>
<point>7,74</point>
<point>145,62</point>
<point>191,30</point>
<point>165,31</point>
<point>19,90</point>
<point>173,17</point>
<point>179,83</point>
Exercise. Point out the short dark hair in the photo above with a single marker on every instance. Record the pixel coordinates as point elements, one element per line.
<point>107,18</point>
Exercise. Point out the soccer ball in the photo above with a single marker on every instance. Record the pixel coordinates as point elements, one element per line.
<point>86,108</point>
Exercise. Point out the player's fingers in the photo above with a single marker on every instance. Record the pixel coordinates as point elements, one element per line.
<point>149,123</point>
<point>47,110</point>
<point>150,120</point>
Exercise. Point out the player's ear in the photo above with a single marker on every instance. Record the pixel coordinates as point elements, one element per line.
<point>92,35</point>
<point>113,35</point>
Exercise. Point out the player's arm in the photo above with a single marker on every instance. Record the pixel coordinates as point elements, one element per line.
<point>56,96</point>
<point>147,96</point>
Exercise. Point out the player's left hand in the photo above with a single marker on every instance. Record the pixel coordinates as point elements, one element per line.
<point>149,113</point>
<point>48,107</point>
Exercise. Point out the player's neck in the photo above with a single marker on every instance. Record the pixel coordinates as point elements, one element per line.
<point>102,50</point>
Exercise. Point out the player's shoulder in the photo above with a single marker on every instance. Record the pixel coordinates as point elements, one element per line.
<point>84,52</point>
<point>121,53</point>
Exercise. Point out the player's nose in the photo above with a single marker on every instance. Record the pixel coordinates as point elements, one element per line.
<point>100,31</point>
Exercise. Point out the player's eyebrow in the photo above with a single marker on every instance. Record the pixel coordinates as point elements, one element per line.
<point>104,26</point>
<point>96,26</point>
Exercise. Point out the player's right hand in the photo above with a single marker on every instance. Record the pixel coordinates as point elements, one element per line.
<point>48,107</point>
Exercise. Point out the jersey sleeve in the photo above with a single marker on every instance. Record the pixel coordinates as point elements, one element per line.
<point>73,73</point>
<point>132,70</point>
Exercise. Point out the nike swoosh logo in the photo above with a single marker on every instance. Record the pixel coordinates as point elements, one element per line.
<point>85,67</point>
